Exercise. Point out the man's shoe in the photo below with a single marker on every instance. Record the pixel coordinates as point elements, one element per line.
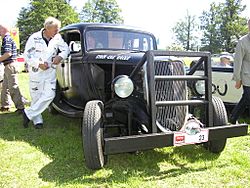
<point>39,126</point>
<point>4,109</point>
<point>19,111</point>
<point>26,120</point>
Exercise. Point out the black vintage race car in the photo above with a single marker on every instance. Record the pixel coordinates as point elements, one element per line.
<point>133,97</point>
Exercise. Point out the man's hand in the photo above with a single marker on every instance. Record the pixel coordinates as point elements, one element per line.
<point>57,60</point>
<point>44,66</point>
<point>238,84</point>
<point>5,56</point>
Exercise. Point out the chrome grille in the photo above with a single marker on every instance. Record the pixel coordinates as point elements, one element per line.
<point>170,117</point>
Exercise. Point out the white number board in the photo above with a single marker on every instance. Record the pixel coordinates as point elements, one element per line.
<point>182,138</point>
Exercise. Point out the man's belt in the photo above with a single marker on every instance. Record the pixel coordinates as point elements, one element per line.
<point>8,62</point>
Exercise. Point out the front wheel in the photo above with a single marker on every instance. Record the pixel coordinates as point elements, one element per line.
<point>220,118</point>
<point>92,135</point>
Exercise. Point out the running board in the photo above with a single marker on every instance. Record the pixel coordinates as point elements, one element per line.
<point>65,109</point>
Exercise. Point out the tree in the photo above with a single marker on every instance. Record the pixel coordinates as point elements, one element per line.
<point>185,32</point>
<point>102,11</point>
<point>175,47</point>
<point>210,25</point>
<point>223,26</point>
<point>232,25</point>
<point>31,18</point>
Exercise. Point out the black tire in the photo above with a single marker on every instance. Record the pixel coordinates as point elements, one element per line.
<point>220,118</point>
<point>92,135</point>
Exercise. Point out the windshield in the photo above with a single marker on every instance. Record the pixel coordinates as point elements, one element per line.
<point>118,40</point>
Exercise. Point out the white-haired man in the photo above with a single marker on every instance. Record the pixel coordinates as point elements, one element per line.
<point>241,74</point>
<point>43,51</point>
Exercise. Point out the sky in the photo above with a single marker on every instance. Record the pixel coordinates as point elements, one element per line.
<point>155,16</point>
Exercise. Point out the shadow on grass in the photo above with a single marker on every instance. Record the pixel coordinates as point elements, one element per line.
<point>61,141</point>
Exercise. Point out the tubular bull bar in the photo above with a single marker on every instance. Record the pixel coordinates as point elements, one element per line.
<point>126,144</point>
<point>133,143</point>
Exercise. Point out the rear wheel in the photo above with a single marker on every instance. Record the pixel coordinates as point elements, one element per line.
<point>92,135</point>
<point>52,110</point>
<point>220,118</point>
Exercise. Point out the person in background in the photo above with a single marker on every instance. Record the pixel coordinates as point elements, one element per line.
<point>225,61</point>
<point>10,80</point>
<point>43,51</point>
<point>91,42</point>
<point>241,74</point>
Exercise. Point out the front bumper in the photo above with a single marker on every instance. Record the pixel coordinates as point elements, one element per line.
<point>158,140</point>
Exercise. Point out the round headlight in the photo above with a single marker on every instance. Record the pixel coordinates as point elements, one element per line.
<point>123,86</point>
<point>200,87</point>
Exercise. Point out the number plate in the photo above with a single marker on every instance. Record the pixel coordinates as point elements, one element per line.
<point>182,138</point>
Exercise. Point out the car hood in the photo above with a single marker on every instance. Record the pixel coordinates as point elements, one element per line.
<point>120,57</point>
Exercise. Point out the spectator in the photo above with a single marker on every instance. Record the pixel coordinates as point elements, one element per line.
<point>43,51</point>
<point>225,61</point>
<point>10,80</point>
<point>91,42</point>
<point>241,74</point>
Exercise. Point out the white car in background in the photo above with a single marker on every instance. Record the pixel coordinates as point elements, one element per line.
<point>222,83</point>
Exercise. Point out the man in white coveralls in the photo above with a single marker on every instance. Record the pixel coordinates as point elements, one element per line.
<point>43,51</point>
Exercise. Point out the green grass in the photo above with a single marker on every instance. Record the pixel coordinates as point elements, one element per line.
<point>53,157</point>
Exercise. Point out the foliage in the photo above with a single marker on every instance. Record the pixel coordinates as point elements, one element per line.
<point>184,32</point>
<point>232,26</point>
<point>175,47</point>
<point>211,31</point>
<point>31,18</point>
<point>101,11</point>
<point>222,26</point>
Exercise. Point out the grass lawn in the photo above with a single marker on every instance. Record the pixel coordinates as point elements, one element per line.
<point>53,157</point>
